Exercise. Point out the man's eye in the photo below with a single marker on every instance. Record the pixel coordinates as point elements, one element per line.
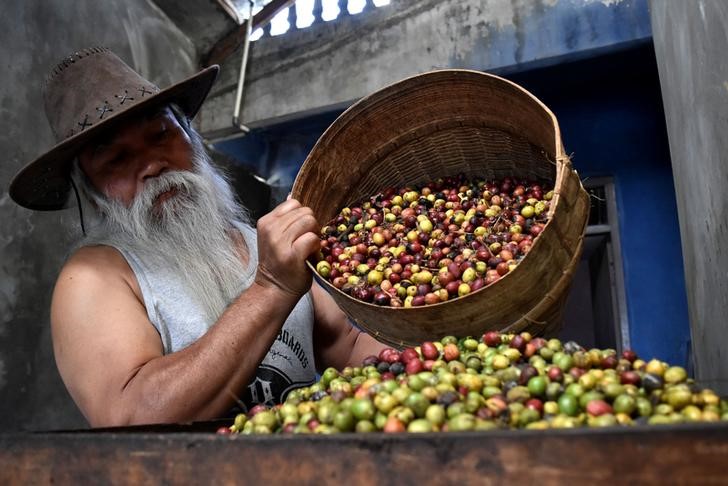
<point>113,160</point>
<point>161,132</point>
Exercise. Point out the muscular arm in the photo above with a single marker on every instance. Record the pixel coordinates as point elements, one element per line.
<point>110,356</point>
<point>337,342</point>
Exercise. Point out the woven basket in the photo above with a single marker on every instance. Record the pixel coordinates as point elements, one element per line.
<point>444,123</point>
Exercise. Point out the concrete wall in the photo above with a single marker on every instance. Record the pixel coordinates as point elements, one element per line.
<point>691,41</point>
<point>202,21</point>
<point>36,35</point>
<point>330,64</point>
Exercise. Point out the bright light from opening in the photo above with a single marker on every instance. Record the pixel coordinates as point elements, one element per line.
<point>279,24</point>
<point>256,34</point>
<point>304,13</point>
<point>331,10</point>
<point>356,6</point>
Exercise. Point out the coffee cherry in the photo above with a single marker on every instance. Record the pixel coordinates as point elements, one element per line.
<point>453,223</point>
<point>492,338</point>
<point>451,352</point>
<point>382,298</point>
<point>429,350</point>
<point>323,268</point>
<point>414,366</point>
<point>463,289</point>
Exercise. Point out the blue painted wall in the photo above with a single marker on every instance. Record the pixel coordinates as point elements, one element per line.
<point>545,31</point>
<point>611,117</point>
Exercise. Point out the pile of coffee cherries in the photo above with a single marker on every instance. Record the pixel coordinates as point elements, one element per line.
<point>500,381</point>
<point>418,246</point>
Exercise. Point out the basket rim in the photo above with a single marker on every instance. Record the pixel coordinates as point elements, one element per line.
<point>436,80</point>
<point>415,82</point>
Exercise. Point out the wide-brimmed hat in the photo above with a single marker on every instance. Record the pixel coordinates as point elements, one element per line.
<point>89,92</point>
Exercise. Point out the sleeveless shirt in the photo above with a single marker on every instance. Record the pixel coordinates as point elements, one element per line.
<point>180,321</point>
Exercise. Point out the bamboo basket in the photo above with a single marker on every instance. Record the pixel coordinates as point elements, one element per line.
<point>443,123</point>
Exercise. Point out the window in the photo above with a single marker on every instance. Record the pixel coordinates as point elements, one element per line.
<point>596,314</point>
<point>306,13</point>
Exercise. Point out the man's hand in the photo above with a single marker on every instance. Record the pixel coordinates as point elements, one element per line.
<point>286,237</point>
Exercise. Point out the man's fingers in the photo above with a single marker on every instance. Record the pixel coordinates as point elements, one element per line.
<point>306,244</point>
<point>291,220</point>
<point>283,215</point>
<point>285,207</point>
<point>303,223</point>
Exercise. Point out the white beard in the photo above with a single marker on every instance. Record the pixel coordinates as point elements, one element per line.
<point>189,233</point>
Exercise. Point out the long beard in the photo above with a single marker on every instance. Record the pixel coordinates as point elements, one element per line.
<point>189,233</point>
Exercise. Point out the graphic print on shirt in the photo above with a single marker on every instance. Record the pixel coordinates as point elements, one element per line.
<point>270,387</point>
<point>286,367</point>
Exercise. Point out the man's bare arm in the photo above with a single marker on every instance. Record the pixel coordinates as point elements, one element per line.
<point>337,342</point>
<point>110,356</point>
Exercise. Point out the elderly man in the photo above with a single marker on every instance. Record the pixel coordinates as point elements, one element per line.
<point>172,308</point>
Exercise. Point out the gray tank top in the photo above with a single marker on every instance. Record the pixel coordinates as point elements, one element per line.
<point>180,321</point>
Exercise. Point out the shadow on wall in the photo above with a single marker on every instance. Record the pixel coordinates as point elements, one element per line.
<point>252,190</point>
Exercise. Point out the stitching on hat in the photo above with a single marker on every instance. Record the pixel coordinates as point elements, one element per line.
<point>124,97</point>
<point>106,108</point>
<point>85,123</point>
<point>143,90</point>
<point>61,66</point>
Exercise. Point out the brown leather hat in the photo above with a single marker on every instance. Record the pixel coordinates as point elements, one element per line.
<point>89,92</point>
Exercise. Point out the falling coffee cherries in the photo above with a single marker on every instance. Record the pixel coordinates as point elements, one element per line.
<point>410,247</point>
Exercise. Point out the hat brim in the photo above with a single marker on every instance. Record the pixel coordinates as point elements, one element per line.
<point>45,183</point>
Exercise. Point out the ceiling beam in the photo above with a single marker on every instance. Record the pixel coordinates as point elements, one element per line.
<point>224,47</point>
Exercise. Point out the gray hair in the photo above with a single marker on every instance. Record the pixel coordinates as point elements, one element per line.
<point>192,233</point>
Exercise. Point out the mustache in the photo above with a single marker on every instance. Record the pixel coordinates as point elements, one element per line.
<point>181,182</point>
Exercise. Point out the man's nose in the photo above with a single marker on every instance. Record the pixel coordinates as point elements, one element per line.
<point>152,167</point>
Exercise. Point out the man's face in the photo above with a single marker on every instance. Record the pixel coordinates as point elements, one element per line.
<point>156,191</point>
<point>139,150</point>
